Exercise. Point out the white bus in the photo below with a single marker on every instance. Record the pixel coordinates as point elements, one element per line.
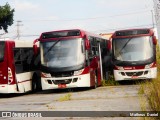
<point>71,59</point>
<point>134,54</point>
<point>17,66</point>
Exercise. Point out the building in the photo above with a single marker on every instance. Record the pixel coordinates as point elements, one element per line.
<point>106,35</point>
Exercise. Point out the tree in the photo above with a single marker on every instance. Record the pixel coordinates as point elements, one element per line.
<point>6,17</point>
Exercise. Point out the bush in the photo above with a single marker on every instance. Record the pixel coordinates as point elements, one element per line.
<point>152,89</point>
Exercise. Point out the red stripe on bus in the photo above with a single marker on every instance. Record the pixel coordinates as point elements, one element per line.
<point>24,81</point>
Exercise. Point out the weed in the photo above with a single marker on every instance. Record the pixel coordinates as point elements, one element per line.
<point>66,97</point>
<point>141,90</point>
<point>110,81</point>
<point>151,89</point>
<point>50,107</point>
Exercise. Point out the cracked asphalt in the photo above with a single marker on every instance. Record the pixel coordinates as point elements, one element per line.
<point>108,98</point>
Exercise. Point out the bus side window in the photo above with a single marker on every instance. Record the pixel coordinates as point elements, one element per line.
<point>94,46</point>
<point>17,59</point>
<point>23,59</point>
<point>91,52</point>
<point>27,57</point>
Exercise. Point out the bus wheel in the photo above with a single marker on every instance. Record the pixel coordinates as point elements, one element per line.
<point>34,83</point>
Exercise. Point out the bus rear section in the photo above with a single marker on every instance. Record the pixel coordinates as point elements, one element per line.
<point>69,59</point>
<point>16,66</point>
<point>134,54</point>
<point>3,68</point>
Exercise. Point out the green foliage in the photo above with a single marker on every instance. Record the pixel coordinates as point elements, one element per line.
<point>67,97</point>
<point>110,81</point>
<point>6,17</point>
<point>151,89</point>
<point>141,89</point>
<point>153,95</point>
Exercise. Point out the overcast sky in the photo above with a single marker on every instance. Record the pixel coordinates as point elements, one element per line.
<point>98,16</point>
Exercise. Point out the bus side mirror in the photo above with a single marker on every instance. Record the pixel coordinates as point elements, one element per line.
<point>35,49</point>
<point>108,45</point>
<point>87,44</point>
<point>154,40</point>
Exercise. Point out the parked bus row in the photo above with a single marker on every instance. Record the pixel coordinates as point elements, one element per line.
<point>76,58</point>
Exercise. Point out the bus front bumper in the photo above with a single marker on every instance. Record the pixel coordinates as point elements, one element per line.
<point>120,75</point>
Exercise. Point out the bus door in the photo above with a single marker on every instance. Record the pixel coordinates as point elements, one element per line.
<point>95,60</point>
<point>100,60</point>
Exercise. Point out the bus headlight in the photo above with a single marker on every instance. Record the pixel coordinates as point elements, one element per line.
<point>78,72</point>
<point>149,66</point>
<point>119,68</point>
<point>46,75</point>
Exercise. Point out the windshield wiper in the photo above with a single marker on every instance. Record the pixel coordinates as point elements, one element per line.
<point>124,46</point>
<point>51,47</point>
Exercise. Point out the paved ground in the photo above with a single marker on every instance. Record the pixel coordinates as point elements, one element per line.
<point>110,98</point>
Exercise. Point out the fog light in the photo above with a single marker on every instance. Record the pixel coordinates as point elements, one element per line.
<point>49,81</point>
<point>122,73</point>
<point>75,80</point>
<point>146,72</point>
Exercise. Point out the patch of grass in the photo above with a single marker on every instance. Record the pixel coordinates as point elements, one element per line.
<point>153,95</point>
<point>141,90</point>
<point>110,81</point>
<point>151,90</point>
<point>50,107</point>
<point>66,97</point>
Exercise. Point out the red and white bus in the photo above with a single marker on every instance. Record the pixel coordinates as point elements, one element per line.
<point>71,58</point>
<point>16,66</point>
<point>134,54</point>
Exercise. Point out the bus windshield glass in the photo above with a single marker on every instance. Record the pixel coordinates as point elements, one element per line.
<point>133,49</point>
<point>62,53</point>
<point>2,46</point>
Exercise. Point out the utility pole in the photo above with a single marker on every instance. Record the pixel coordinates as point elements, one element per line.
<point>152,18</point>
<point>157,16</point>
<point>18,28</point>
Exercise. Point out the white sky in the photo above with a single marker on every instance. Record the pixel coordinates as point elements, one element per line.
<point>98,16</point>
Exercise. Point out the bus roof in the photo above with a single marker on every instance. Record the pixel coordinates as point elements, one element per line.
<point>133,32</point>
<point>20,43</point>
<point>23,43</point>
<point>67,33</point>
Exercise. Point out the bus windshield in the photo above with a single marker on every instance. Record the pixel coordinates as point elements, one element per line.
<point>62,53</point>
<point>133,49</point>
<point>2,46</point>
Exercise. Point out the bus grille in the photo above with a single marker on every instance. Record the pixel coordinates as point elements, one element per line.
<point>134,73</point>
<point>67,81</point>
<point>62,74</point>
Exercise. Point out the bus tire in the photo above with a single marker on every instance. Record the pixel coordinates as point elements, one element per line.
<point>36,83</point>
<point>96,81</point>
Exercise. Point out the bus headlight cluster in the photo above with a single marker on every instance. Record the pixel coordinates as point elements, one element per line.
<point>149,66</point>
<point>78,72</point>
<point>46,75</point>
<point>119,68</point>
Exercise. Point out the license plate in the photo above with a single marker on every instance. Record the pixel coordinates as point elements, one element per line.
<point>134,77</point>
<point>61,85</point>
